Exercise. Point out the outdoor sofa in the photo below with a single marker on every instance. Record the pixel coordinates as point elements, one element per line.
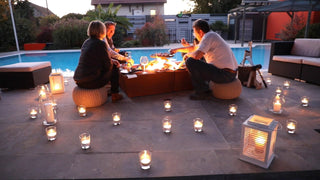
<point>298,59</point>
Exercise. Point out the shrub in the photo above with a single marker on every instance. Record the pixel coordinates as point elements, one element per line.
<point>70,33</point>
<point>131,43</point>
<point>153,33</point>
<point>314,31</point>
<point>45,35</point>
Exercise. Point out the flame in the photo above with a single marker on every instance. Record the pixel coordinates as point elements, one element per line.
<point>161,64</point>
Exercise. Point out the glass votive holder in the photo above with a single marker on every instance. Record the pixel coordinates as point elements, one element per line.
<point>286,84</point>
<point>233,109</point>
<point>304,101</point>
<point>167,105</point>
<point>50,115</point>
<point>268,81</point>
<point>116,118</point>
<point>145,159</point>
<point>166,125</point>
<point>33,112</point>
<point>198,125</point>
<point>85,140</point>
<point>82,111</point>
<point>54,104</point>
<point>51,132</point>
<point>278,90</point>
<point>291,126</point>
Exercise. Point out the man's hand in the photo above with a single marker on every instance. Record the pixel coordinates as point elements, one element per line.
<point>184,42</point>
<point>130,62</point>
<point>115,62</point>
<point>173,51</point>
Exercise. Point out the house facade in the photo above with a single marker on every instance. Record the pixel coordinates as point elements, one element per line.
<point>134,7</point>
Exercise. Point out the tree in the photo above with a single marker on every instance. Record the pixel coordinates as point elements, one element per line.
<point>291,29</point>
<point>123,23</point>
<point>214,6</point>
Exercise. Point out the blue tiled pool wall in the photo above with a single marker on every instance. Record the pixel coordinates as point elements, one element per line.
<point>69,60</point>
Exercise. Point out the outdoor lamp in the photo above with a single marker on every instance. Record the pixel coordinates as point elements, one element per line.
<point>56,83</point>
<point>258,140</point>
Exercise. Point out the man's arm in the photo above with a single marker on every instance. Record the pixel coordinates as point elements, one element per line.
<point>195,55</point>
<point>182,49</point>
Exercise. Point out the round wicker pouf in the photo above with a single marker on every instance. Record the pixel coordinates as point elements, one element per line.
<point>90,97</point>
<point>230,90</point>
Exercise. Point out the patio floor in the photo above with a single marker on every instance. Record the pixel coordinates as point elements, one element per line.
<point>25,152</point>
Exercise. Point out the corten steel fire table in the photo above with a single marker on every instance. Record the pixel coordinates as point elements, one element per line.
<point>152,83</point>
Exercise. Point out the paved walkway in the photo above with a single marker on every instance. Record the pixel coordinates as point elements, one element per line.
<point>25,152</point>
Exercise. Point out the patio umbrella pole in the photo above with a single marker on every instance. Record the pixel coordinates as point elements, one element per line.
<point>14,29</point>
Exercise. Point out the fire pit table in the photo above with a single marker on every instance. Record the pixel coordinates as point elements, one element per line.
<point>152,82</point>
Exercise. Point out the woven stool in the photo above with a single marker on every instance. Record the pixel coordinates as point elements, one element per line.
<point>230,90</point>
<point>90,97</point>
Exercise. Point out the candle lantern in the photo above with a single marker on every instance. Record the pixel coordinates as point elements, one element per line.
<point>304,101</point>
<point>51,132</point>
<point>116,117</point>
<point>197,125</point>
<point>166,125</point>
<point>82,111</point>
<point>145,159</point>
<point>258,140</point>
<point>56,83</point>
<point>85,140</point>
<point>50,115</point>
<point>167,105</point>
<point>291,126</point>
<point>233,110</point>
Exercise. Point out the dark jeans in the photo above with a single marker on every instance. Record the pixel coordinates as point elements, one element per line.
<point>202,72</point>
<point>113,77</point>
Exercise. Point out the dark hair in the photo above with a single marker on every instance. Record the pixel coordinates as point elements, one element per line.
<point>95,29</point>
<point>109,23</point>
<point>201,24</point>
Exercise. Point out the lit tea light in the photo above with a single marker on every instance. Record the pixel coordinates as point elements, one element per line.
<point>260,142</point>
<point>82,111</point>
<point>197,125</point>
<point>51,133</point>
<point>304,101</point>
<point>286,84</point>
<point>233,110</point>
<point>277,106</point>
<point>33,113</point>
<point>166,125</point>
<point>145,159</point>
<point>167,105</point>
<point>85,140</point>
<point>116,117</point>
<point>278,90</point>
<point>291,126</point>
<point>268,81</point>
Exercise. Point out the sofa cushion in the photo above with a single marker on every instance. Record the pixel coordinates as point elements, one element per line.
<point>306,47</point>
<point>25,66</point>
<point>311,61</point>
<point>288,58</point>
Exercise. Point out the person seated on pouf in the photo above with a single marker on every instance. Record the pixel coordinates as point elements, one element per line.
<point>121,56</point>
<point>95,68</point>
<point>220,66</point>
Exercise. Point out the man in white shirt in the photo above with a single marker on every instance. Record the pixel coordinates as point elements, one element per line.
<point>220,65</point>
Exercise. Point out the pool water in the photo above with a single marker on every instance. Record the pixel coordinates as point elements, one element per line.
<point>69,60</point>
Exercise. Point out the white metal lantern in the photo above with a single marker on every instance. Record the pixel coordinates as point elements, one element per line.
<point>258,140</point>
<point>56,83</point>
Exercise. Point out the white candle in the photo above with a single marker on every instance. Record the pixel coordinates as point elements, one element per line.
<point>82,111</point>
<point>291,126</point>
<point>167,105</point>
<point>286,84</point>
<point>166,125</point>
<point>33,113</point>
<point>57,87</point>
<point>116,118</point>
<point>49,113</point>
<point>268,80</point>
<point>85,140</point>
<point>260,142</point>
<point>233,110</point>
<point>51,133</point>
<point>305,101</point>
<point>278,91</point>
<point>145,159</point>
<point>197,124</point>
<point>277,106</point>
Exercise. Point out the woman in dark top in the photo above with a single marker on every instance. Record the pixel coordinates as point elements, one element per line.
<point>95,68</point>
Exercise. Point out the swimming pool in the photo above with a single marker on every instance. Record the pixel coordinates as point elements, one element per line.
<point>69,59</point>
